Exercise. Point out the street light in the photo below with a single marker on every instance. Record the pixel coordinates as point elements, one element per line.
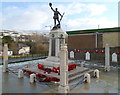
<point>96,38</point>
<point>66,27</point>
<point>49,26</point>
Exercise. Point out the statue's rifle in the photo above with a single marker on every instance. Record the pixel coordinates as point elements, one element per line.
<point>62,16</point>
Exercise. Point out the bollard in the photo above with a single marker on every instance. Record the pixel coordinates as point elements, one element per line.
<point>28,65</point>
<point>107,68</point>
<point>96,73</point>
<point>32,78</point>
<point>20,73</point>
<point>87,78</point>
<point>82,64</point>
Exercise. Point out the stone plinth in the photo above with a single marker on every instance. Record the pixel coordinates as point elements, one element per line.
<point>56,39</point>
<point>53,62</point>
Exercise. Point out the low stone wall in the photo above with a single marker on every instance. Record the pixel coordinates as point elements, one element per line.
<point>97,55</point>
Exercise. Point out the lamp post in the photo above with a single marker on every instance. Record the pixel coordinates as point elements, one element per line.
<point>96,38</point>
<point>49,26</point>
<point>66,27</point>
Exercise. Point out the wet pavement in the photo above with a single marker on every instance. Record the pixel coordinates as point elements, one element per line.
<point>0,61</point>
<point>107,83</point>
<point>11,84</point>
<point>0,80</point>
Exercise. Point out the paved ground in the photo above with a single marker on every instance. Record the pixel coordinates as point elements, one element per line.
<point>0,61</point>
<point>0,80</point>
<point>108,83</point>
<point>11,84</point>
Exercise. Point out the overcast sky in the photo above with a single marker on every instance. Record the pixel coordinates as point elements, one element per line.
<point>24,15</point>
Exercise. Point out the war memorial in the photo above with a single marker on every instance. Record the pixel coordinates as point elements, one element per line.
<point>57,73</point>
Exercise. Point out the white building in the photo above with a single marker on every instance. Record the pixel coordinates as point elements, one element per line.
<point>23,49</point>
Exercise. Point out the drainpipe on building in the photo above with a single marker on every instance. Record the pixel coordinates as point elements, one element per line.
<point>96,40</point>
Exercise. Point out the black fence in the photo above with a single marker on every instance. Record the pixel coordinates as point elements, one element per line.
<point>26,57</point>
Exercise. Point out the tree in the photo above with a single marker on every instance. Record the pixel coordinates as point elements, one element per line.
<point>13,47</point>
<point>38,43</point>
<point>7,39</point>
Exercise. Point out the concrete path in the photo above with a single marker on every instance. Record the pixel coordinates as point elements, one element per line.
<point>9,83</point>
<point>108,83</point>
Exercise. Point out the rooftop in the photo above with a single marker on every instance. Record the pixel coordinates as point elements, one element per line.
<point>103,30</point>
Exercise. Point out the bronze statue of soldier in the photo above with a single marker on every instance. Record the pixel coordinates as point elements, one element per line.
<point>56,17</point>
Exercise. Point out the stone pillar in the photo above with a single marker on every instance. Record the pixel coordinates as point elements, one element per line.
<point>50,46</point>
<point>20,73</point>
<point>5,58</point>
<point>82,64</point>
<point>107,58</point>
<point>57,47</point>
<point>64,87</point>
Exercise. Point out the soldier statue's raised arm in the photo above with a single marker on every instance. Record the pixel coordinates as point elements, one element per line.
<point>56,16</point>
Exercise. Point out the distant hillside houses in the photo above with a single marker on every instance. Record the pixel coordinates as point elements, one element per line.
<point>15,35</point>
<point>23,49</point>
<point>9,33</point>
<point>20,36</point>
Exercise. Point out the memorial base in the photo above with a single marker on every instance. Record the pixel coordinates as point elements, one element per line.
<point>107,68</point>
<point>53,62</point>
<point>63,89</point>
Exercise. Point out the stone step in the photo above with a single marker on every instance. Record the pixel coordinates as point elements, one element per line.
<point>75,82</point>
<point>36,70</point>
<point>77,71</point>
<point>79,75</point>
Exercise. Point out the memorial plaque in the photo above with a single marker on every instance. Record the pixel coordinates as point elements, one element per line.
<point>114,57</point>
<point>53,48</point>
<point>61,41</point>
<point>71,54</point>
<point>87,56</point>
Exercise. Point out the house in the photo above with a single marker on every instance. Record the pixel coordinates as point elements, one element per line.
<point>23,49</point>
